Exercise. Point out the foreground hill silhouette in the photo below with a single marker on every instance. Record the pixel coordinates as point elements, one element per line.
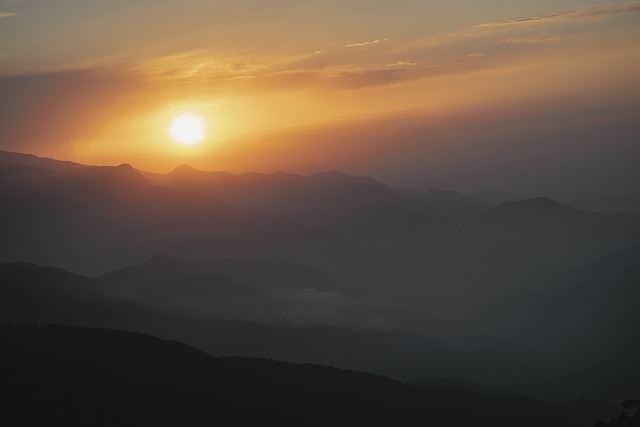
<point>78,376</point>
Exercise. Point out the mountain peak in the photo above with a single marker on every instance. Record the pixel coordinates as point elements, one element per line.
<point>123,170</point>
<point>126,167</point>
<point>121,175</point>
<point>184,168</point>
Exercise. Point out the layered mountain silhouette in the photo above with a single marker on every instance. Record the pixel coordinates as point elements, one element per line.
<point>254,272</point>
<point>497,198</point>
<point>529,295</point>
<point>95,218</point>
<point>457,384</point>
<point>611,203</point>
<point>8,158</point>
<point>80,376</point>
<point>242,288</point>
<point>591,321</point>
<point>33,294</point>
<point>327,200</point>
<point>449,202</point>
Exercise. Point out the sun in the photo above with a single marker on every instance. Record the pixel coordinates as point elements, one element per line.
<point>188,129</point>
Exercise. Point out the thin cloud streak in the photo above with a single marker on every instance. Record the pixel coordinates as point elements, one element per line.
<point>342,67</point>
<point>7,14</point>
<point>369,43</point>
<point>575,15</point>
<point>539,39</point>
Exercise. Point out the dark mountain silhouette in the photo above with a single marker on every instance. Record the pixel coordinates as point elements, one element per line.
<point>630,416</point>
<point>559,231</point>
<point>29,160</point>
<point>32,294</point>
<point>328,199</point>
<point>592,322</point>
<point>276,293</point>
<point>203,295</point>
<point>95,219</point>
<point>611,203</point>
<point>606,267</point>
<point>250,271</point>
<point>408,191</point>
<point>461,266</point>
<point>457,384</point>
<point>382,283</point>
<point>449,202</point>
<point>240,288</point>
<point>79,376</point>
<point>497,198</point>
<point>535,206</point>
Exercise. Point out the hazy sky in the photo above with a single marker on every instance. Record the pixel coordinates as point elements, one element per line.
<point>540,97</point>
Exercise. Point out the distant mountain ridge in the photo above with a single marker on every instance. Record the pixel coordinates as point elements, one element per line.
<point>496,198</point>
<point>449,202</point>
<point>611,203</point>
<point>324,199</point>
<point>97,219</point>
<point>29,160</point>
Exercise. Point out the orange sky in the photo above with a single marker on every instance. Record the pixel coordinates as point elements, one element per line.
<point>370,87</point>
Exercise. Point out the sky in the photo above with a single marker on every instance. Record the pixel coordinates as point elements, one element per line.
<point>535,97</point>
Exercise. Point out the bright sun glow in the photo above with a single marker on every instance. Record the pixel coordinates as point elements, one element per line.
<point>188,129</point>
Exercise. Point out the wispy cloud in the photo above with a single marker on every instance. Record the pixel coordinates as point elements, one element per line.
<point>200,66</point>
<point>403,64</point>
<point>7,14</point>
<point>539,39</point>
<point>344,66</point>
<point>575,15</point>
<point>369,43</point>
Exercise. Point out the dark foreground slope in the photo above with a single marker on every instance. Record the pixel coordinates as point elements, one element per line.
<point>71,376</point>
<point>77,376</point>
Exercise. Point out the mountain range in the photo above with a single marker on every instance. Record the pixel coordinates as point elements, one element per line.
<point>530,295</point>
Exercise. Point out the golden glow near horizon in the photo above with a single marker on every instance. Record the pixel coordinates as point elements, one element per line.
<point>391,86</point>
<point>188,129</point>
